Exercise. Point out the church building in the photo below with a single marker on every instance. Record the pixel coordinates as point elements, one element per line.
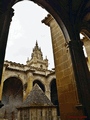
<point>18,81</point>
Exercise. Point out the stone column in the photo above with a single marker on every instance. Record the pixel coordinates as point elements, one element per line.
<point>29,85</point>
<point>47,91</point>
<point>5,19</point>
<point>82,74</point>
<point>65,80</point>
<point>5,24</point>
<point>72,77</point>
<point>1,85</point>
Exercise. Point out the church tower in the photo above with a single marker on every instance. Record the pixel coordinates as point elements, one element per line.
<point>37,58</point>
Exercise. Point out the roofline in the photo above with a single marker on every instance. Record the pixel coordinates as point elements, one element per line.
<point>38,106</point>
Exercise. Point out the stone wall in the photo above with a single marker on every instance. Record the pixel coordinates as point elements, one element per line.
<point>66,85</point>
<point>16,76</point>
<point>38,113</point>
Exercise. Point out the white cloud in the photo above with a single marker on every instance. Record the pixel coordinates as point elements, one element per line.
<point>15,31</point>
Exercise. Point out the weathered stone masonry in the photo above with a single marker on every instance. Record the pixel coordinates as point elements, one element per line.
<point>18,80</point>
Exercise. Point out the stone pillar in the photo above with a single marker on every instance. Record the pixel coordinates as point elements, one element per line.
<point>29,85</point>
<point>47,91</point>
<point>82,74</point>
<point>5,19</point>
<point>1,88</point>
<point>65,78</point>
<point>1,85</point>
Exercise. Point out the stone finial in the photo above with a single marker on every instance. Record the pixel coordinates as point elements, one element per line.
<point>46,58</point>
<point>36,43</point>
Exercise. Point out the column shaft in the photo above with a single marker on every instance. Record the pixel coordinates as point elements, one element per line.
<point>82,74</point>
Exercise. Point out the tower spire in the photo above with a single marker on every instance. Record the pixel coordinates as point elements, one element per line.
<point>36,43</point>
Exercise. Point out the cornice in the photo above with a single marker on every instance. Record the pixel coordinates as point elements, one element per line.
<point>39,74</point>
<point>37,106</point>
<point>14,63</point>
<point>12,66</point>
<point>45,75</point>
<point>25,71</point>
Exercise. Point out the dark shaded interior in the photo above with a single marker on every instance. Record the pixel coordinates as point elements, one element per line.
<point>54,95</point>
<point>12,97</point>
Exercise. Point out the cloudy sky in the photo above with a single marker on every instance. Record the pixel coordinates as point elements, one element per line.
<point>25,29</point>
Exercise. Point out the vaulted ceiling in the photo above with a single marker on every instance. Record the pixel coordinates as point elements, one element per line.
<point>76,12</point>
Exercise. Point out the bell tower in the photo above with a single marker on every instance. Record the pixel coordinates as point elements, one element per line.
<point>37,58</point>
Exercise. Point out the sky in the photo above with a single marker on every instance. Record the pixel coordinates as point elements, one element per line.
<point>26,27</point>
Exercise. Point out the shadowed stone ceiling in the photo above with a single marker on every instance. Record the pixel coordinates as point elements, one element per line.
<point>70,11</point>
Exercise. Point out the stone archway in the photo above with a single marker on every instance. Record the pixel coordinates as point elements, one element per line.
<point>12,96</point>
<point>73,14</point>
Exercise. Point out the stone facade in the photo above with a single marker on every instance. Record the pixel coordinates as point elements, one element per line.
<point>19,79</point>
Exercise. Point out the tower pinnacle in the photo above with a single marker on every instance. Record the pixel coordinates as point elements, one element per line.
<point>36,43</point>
<point>37,58</point>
